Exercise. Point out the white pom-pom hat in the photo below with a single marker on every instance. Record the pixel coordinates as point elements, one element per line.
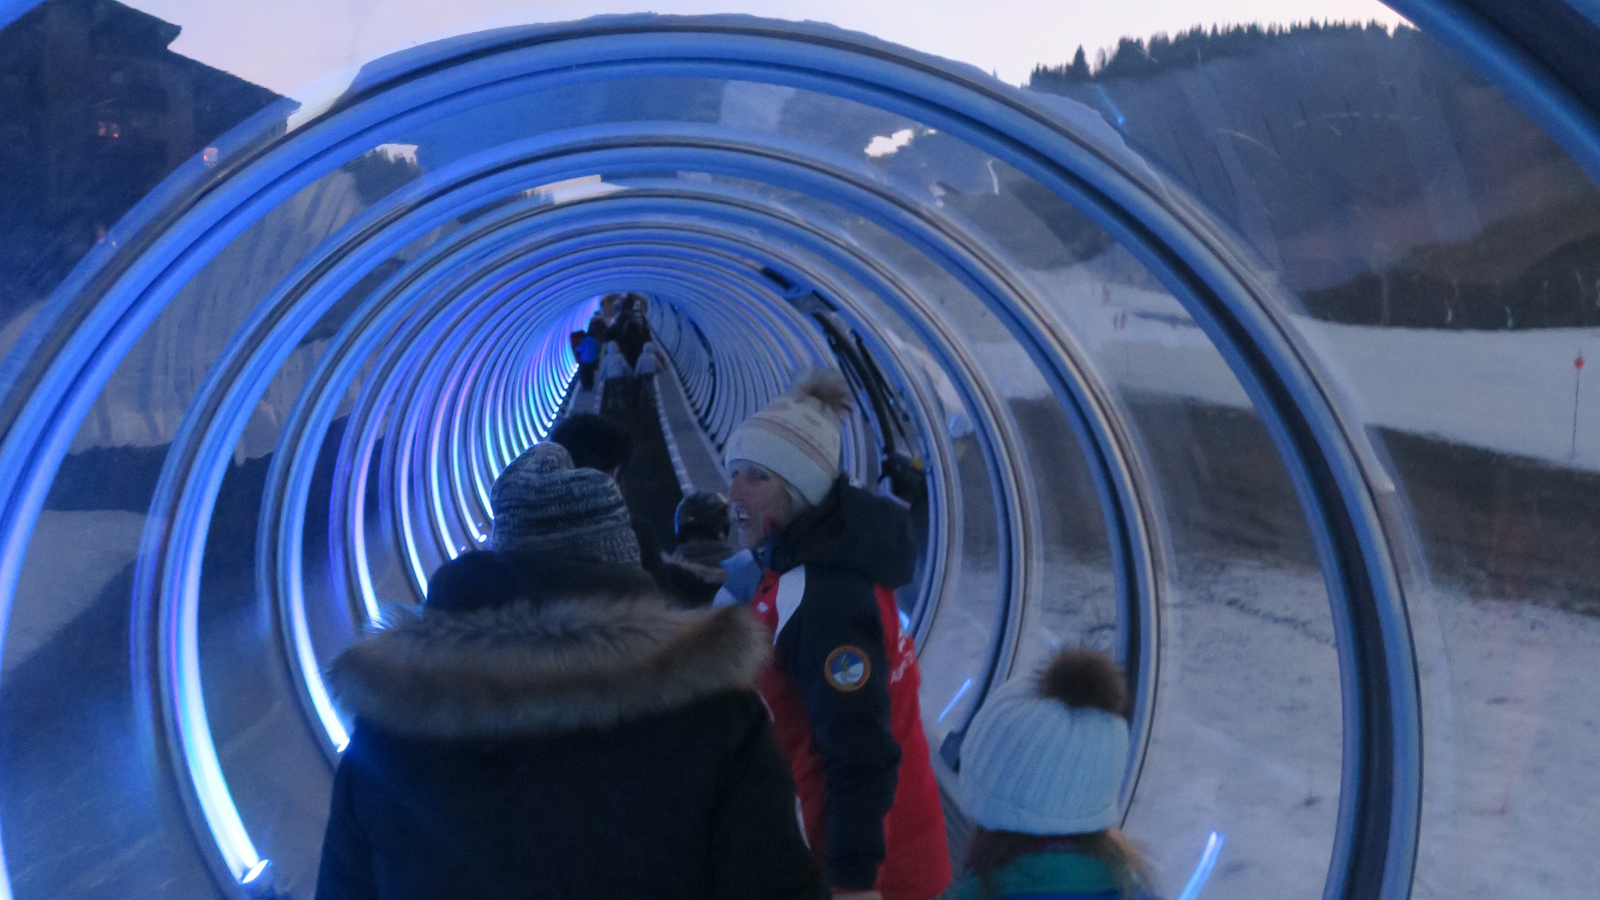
<point>1046,755</point>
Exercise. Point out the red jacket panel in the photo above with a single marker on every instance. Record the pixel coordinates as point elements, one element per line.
<point>914,860</point>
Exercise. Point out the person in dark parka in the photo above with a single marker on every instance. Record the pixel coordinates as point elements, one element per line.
<point>843,684</point>
<point>549,727</point>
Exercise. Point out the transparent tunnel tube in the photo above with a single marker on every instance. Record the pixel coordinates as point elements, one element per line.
<point>460,359</point>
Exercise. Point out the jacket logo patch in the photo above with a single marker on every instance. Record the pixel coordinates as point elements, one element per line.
<point>847,668</point>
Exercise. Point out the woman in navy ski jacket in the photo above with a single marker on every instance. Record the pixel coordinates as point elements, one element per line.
<point>842,687</point>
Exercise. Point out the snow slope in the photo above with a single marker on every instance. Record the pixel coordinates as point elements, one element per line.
<point>1505,391</point>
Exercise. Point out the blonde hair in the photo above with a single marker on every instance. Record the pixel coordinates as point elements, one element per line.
<point>1127,861</point>
<point>797,501</point>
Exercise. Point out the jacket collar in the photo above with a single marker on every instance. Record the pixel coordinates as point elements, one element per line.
<point>559,664</point>
<point>852,530</point>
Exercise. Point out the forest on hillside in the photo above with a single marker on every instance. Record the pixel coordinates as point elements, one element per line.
<point>1388,183</point>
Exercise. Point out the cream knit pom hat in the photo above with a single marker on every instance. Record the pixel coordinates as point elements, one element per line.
<point>797,435</point>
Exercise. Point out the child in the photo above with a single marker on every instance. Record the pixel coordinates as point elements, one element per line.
<point>1042,764</point>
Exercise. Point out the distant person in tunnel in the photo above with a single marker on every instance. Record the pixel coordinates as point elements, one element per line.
<point>843,684</point>
<point>587,353</point>
<point>549,727</point>
<point>1041,768</point>
<point>645,372</point>
<point>616,377</point>
<point>632,328</point>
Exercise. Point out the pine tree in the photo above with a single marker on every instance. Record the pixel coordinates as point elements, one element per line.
<point>1080,66</point>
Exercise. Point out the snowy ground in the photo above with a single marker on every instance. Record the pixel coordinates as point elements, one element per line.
<point>1513,803</point>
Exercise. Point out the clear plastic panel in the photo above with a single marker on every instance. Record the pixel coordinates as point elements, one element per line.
<point>1442,254</point>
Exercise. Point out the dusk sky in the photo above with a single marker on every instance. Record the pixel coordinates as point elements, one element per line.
<point>286,45</point>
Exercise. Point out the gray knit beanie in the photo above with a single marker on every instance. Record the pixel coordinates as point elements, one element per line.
<point>1046,755</point>
<point>543,505</point>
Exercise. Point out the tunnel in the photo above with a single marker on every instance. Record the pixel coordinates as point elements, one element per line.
<point>1251,355</point>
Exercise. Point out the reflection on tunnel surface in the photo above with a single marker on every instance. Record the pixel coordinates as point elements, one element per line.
<point>1203,362</point>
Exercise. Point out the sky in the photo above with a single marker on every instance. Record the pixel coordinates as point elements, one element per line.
<point>297,47</point>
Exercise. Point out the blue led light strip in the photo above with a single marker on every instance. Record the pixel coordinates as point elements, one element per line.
<point>1202,869</point>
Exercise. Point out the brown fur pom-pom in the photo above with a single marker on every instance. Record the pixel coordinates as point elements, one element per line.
<point>1084,678</point>
<point>827,387</point>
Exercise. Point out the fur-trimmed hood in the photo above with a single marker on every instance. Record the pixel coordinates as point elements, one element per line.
<point>578,659</point>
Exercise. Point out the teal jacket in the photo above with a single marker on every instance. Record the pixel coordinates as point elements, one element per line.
<point>1047,876</point>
